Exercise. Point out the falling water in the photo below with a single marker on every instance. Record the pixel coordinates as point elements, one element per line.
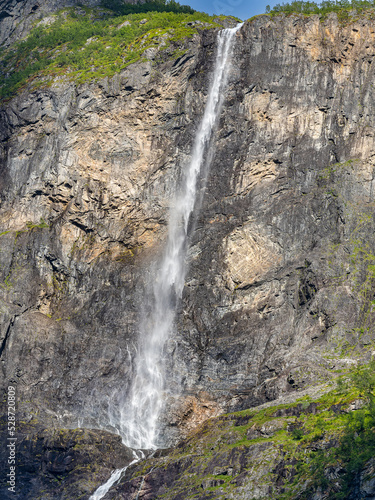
<point>139,417</point>
<point>115,477</point>
<point>146,399</point>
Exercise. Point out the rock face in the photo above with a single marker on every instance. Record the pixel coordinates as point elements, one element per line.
<point>280,289</point>
<point>99,168</point>
<point>17,17</point>
<point>64,463</point>
<point>280,285</point>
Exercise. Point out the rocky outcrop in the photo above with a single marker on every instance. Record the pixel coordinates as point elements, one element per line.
<point>279,293</point>
<point>273,451</point>
<point>63,463</point>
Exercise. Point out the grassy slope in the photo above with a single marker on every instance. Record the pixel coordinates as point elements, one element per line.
<point>88,44</point>
<point>290,450</point>
<point>85,44</point>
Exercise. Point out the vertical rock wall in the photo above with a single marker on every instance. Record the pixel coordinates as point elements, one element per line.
<point>281,284</point>
<point>281,279</point>
<point>88,175</point>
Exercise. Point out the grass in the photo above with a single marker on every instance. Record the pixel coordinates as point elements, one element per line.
<point>42,224</point>
<point>91,47</point>
<point>308,441</point>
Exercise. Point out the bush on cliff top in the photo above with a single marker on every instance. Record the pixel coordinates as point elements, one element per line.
<point>88,44</point>
<point>151,6</point>
<point>341,7</point>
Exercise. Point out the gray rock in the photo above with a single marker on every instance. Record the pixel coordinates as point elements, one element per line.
<point>273,292</point>
<point>64,463</point>
<point>367,480</point>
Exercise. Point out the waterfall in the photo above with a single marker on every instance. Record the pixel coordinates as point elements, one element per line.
<point>115,477</point>
<point>139,416</point>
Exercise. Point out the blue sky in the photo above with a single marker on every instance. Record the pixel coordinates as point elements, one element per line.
<point>240,8</point>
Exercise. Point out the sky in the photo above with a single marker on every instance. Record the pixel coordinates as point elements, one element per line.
<point>239,8</point>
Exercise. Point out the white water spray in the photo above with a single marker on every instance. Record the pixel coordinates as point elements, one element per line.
<point>139,417</point>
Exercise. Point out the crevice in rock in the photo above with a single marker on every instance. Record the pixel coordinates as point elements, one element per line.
<point>7,334</point>
<point>81,226</point>
<point>4,14</point>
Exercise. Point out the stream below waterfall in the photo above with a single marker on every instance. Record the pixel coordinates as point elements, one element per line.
<point>139,417</point>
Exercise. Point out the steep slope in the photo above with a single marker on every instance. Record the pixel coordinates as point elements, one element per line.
<point>280,290</point>
<point>17,17</point>
<point>308,449</point>
<point>281,285</point>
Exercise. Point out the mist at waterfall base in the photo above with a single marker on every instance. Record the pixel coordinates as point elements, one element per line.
<point>137,419</point>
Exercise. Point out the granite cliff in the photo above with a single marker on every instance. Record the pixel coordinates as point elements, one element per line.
<point>280,290</point>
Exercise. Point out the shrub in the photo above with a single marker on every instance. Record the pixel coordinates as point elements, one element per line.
<point>323,8</point>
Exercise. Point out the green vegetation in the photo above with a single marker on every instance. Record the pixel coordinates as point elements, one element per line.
<point>42,224</point>
<point>355,435</point>
<point>349,437</point>
<point>15,273</point>
<point>336,167</point>
<point>292,449</point>
<point>152,6</point>
<point>89,44</point>
<point>341,7</point>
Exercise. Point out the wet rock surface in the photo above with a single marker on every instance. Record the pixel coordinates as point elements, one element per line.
<point>280,287</point>
<point>92,215</point>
